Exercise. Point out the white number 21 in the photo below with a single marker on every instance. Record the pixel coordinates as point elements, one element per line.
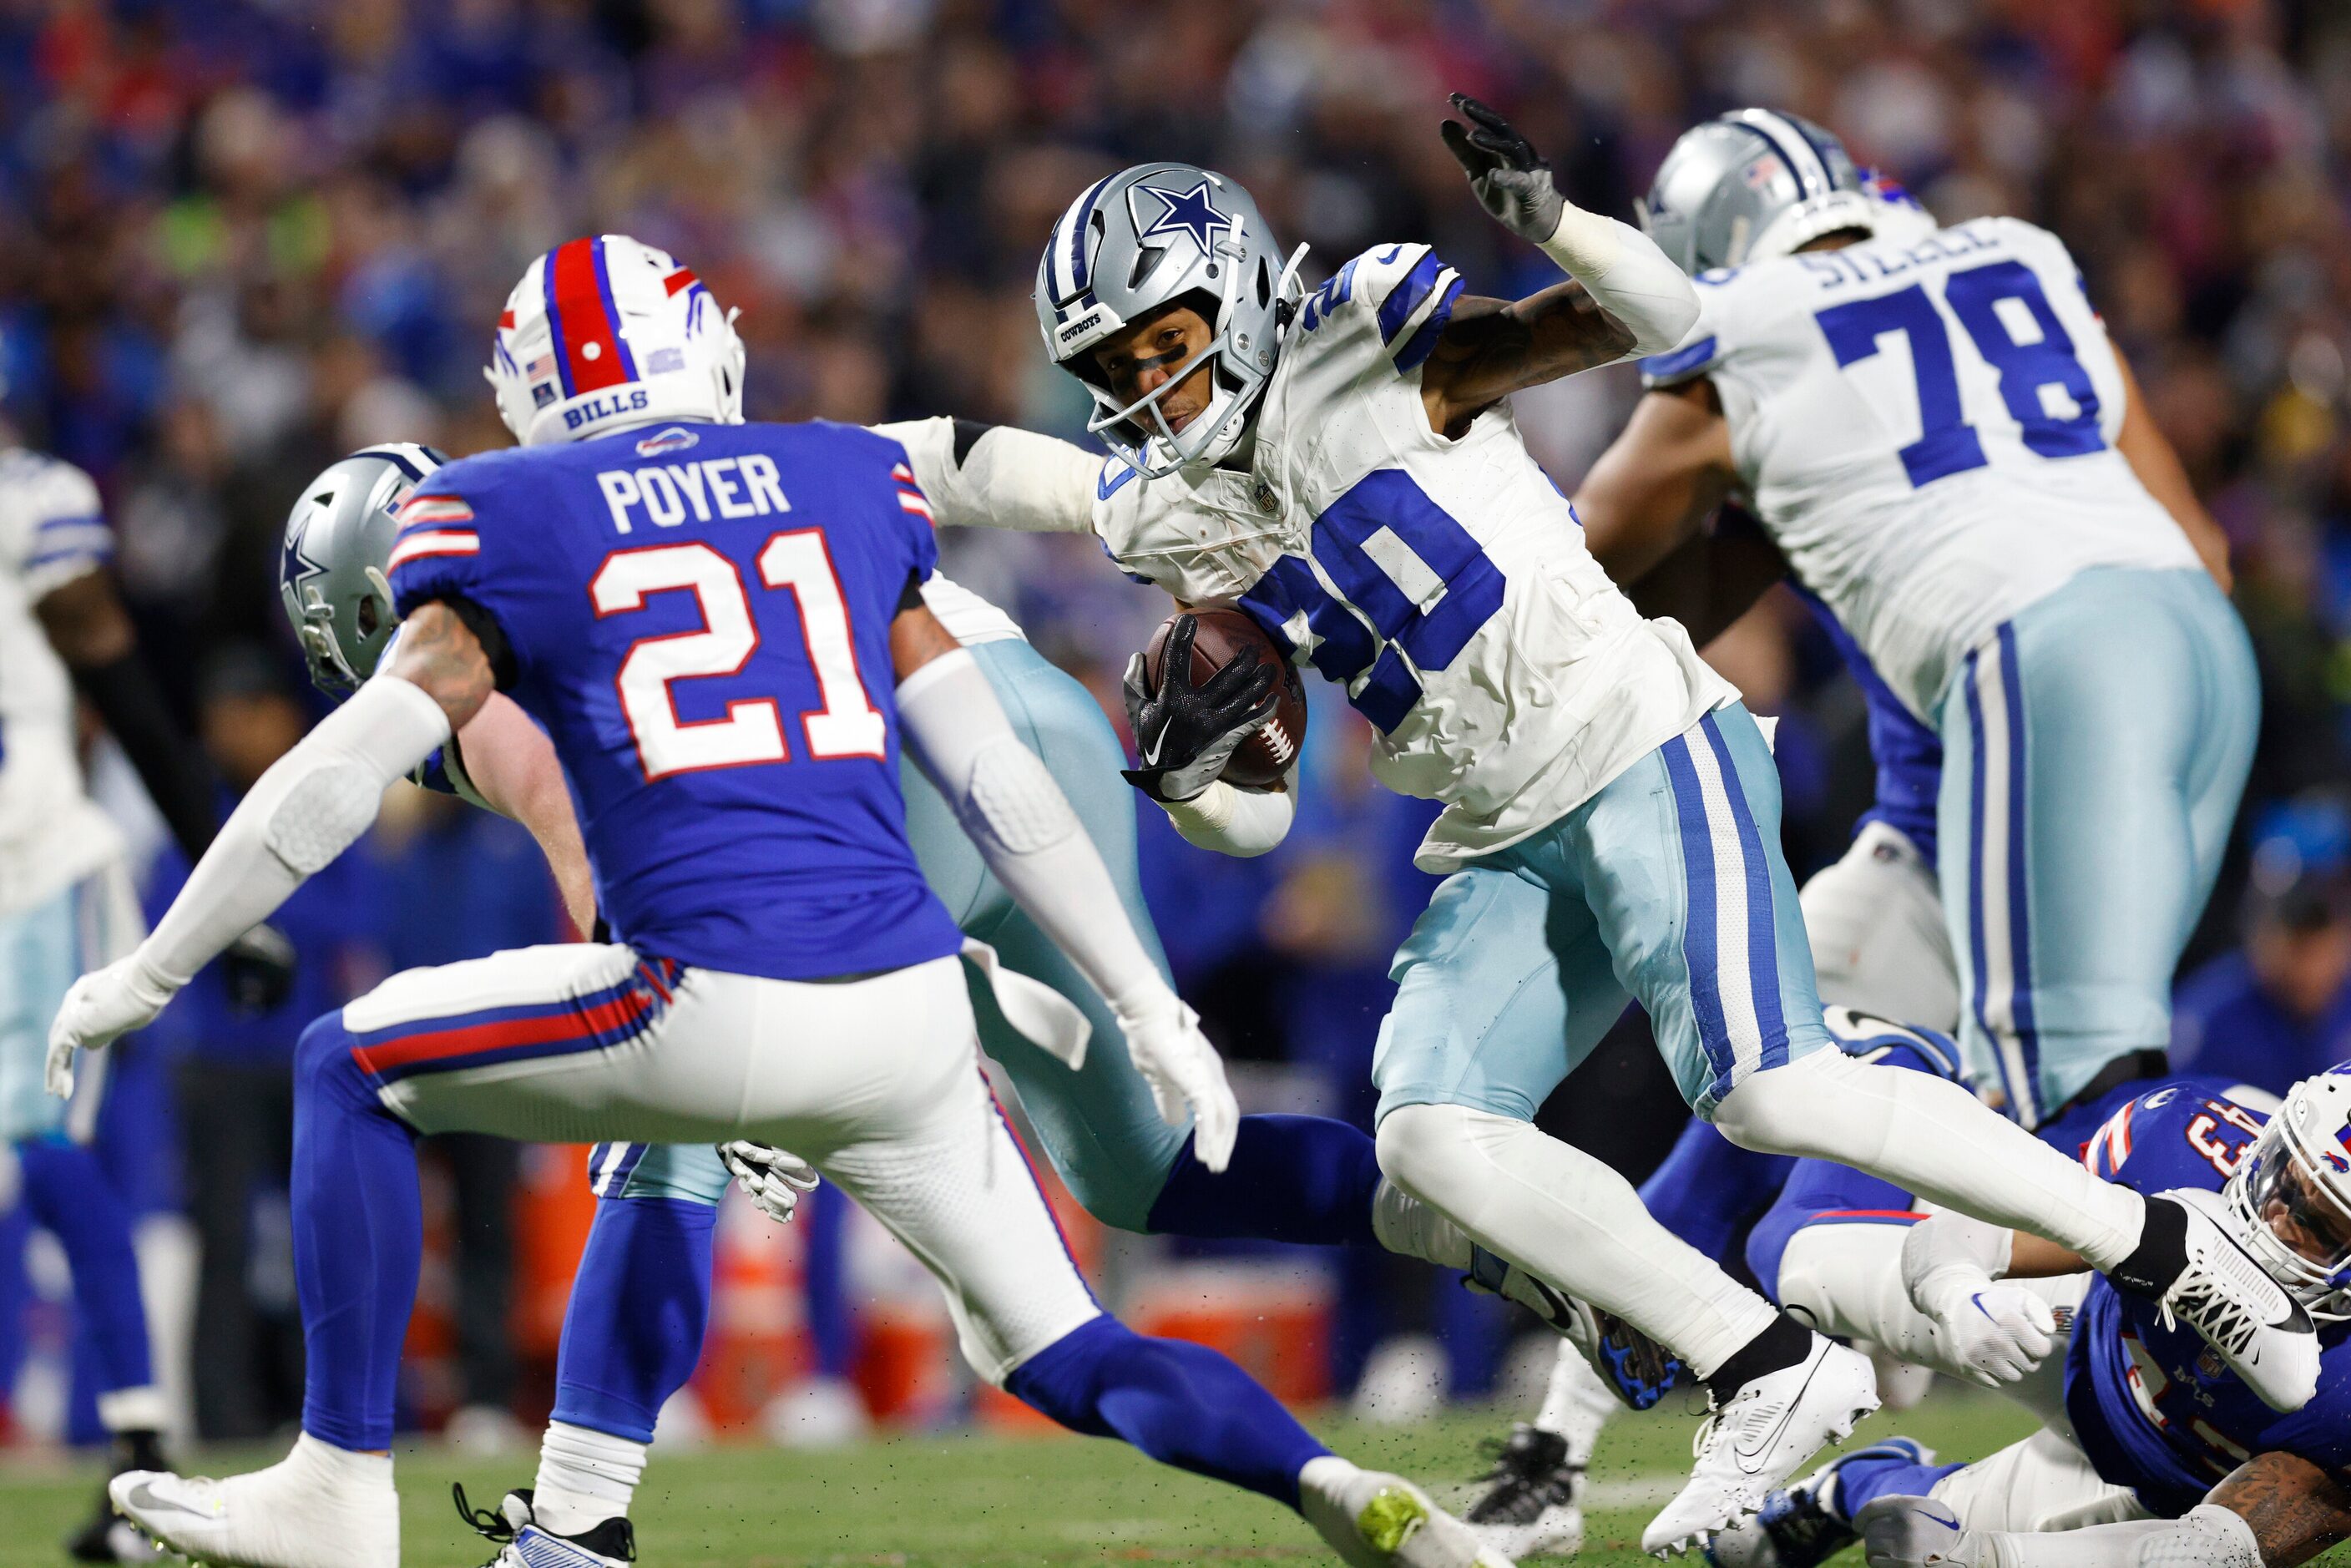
<point>752,732</point>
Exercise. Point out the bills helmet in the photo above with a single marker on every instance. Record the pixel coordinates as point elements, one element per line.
<point>1754,184</point>
<point>2291,1195</point>
<point>1151,237</point>
<point>604,332</point>
<point>330,570</point>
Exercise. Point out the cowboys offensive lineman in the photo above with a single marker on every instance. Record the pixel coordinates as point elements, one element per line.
<point>1342,467</point>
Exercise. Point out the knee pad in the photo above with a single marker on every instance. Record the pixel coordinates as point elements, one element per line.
<point>1419,1149</point>
<point>1803,1108</point>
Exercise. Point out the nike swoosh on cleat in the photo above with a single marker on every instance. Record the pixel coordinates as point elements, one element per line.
<point>144,1495</point>
<point>1746,1456</point>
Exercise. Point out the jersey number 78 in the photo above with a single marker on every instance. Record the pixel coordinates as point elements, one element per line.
<point>752,731</point>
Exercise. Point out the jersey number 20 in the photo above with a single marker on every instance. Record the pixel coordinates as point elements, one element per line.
<point>752,732</point>
<point>2028,366</point>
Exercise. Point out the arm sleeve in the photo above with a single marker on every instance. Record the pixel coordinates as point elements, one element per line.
<point>313,804</point>
<point>957,733</point>
<point>1231,822</point>
<point>996,477</point>
<point>1627,276</point>
<point>169,762</point>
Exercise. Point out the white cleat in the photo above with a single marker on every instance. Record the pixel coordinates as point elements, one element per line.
<point>1376,1521</point>
<point>1751,1445</point>
<point>1916,1533</point>
<point>308,1511</point>
<point>2260,1330</point>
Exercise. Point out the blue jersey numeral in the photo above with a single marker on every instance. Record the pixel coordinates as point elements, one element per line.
<point>1947,444</point>
<point>1431,628</point>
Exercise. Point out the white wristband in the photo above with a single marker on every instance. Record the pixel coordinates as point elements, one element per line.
<point>1238,823</point>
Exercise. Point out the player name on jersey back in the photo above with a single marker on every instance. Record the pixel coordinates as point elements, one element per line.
<point>1927,429</point>
<point>699,617</point>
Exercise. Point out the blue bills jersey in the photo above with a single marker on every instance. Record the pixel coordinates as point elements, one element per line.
<point>2152,1405</point>
<point>699,616</point>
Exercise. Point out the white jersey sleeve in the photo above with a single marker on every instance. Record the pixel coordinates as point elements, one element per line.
<point>52,527</point>
<point>1927,429</point>
<point>51,532</point>
<point>1442,584</point>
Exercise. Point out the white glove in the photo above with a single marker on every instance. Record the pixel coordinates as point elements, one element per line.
<point>1165,1042</point>
<point>772,1178</point>
<point>101,1008</point>
<point>1988,1332</point>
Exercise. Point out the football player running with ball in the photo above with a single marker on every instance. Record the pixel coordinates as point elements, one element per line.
<point>1344,466</point>
<point>778,966</point>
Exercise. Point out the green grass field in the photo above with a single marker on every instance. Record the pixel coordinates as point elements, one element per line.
<point>977,1501</point>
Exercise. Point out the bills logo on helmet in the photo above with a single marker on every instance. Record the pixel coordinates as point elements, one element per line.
<point>675,439</point>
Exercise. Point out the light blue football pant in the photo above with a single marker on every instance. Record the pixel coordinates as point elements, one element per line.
<point>2093,749</point>
<point>1099,1125</point>
<point>43,951</point>
<point>1667,888</point>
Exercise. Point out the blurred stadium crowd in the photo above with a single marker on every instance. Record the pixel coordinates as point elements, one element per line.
<point>241,237</point>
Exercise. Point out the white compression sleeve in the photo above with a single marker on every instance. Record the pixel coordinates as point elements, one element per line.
<point>1933,1138</point>
<point>1008,478</point>
<point>312,805</point>
<point>1232,821</point>
<point>958,734</point>
<point>2205,1537</point>
<point>1627,275</point>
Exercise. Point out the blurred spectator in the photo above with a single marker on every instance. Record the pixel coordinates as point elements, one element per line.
<point>2280,1009</point>
<point>236,1083</point>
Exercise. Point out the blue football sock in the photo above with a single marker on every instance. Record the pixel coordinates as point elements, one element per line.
<point>1710,1187</point>
<point>640,1303</point>
<point>833,1328</point>
<point>1864,1478</point>
<point>1293,1178</point>
<point>1181,1403</point>
<point>67,1192</point>
<point>359,1232</point>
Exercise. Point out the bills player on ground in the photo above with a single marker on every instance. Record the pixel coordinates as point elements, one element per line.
<point>2041,506</point>
<point>2153,1454</point>
<point>1344,466</point>
<point>648,1258</point>
<point>66,904</point>
<point>778,966</point>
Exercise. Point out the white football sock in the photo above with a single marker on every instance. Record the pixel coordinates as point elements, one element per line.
<point>1576,1405</point>
<point>2206,1537</point>
<point>139,1409</point>
<point>1933,1138</point>
<point>585,1477</point>
<point>1572,1222</point>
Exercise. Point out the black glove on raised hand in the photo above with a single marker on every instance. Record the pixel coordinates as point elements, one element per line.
<point>259,969</point>
<point>1512,180</point>
<point>1184,733</point>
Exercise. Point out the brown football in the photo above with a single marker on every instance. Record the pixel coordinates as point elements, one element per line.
<point>1261,761</point>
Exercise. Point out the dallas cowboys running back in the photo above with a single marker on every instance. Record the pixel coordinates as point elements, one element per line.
<point>2153,1452</point>
<point>648,1257</point>
<point>1342,466</point>
<point>780,967</point>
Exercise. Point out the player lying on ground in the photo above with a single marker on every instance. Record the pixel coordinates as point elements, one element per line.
<point>66,904</point>
<point>2042,507</point>
<point>2152,1453</point>
<point>1344,467</point>
<point>641,1299</point>
<point>779,967</point>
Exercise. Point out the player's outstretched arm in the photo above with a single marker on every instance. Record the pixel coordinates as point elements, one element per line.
<point>958,734</point>
<point>513,766</point>
<point>1638,300</point>
<point>310,806</point>
<point>998,476</point>
<point>2149,453</point>
<point>2296,1509</point>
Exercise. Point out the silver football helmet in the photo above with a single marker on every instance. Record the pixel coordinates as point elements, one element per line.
<point>1143,239</point>
<point>330,570</point>
<point>2294,1181</point>
<point>1754,184</point>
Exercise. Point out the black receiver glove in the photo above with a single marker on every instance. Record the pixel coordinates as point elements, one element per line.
<point>1510,178</point>
<point>1185,733</point>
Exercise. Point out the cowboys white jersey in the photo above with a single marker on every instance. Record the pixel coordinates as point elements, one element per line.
<point>1927,429</point>
<point>51,835</point>
<point>1444,584</point>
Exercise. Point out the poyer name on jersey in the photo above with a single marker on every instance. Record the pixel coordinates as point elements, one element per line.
<point>666,494</point>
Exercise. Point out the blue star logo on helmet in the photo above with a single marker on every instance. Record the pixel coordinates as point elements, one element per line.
<point>294,564</point>
<point>1187,212</point>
